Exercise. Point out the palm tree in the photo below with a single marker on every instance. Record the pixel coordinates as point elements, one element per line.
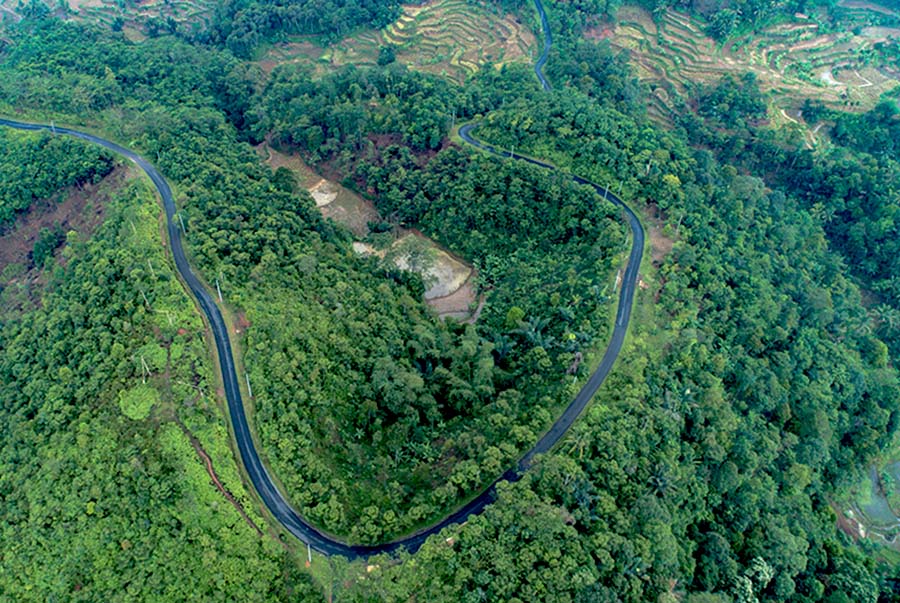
<point>532,329</point>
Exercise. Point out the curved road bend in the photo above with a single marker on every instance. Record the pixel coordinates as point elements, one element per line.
<point>271,497</point>
<point>545,52</point>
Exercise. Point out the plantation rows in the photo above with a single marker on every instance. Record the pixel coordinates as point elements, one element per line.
<point>793,59</point>
<point>451,37</point>
<point>136,15</point>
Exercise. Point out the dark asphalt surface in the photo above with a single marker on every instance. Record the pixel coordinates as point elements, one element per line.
<point>623,314</point>
<point>271,497</point>
<point>548,41</point>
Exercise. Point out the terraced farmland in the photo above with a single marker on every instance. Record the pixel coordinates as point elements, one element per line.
<point>134,14</point>
<point>795,60</point>
<point>447,37</point>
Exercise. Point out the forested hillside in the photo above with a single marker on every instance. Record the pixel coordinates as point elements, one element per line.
<point>104,384</point>
<point>751,386</point>
<point>849,188</point>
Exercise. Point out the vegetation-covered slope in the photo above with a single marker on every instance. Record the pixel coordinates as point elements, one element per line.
<point>427,389</point>
<point>703,471</point>
<point>104,386</point>
<point>34,168</point>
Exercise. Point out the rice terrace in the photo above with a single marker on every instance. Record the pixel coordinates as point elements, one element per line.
<point>796,59</point>
<point>451,38</point>
<point>134,17</point>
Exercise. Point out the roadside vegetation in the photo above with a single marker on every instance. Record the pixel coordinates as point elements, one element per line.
<point>35,167</point>
<point>105,381</point>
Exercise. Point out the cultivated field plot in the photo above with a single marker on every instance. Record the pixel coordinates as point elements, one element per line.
<point>795,60</point>
<point>451,38</point>
<point>134,14</point>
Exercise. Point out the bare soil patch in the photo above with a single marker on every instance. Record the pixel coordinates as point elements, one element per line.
<point>352,211</point>
<point>448,277</point>
<point>80,209</point>
<point>79,4</point>
<point>660,244</point>
<point>323,193</point>
<point>458,304</point>
<point>848,524</point>
<point>333,200</point>
<point>598,33</point>
<point>290,52</point>
<point>277,159</point>
<point>445,273</point>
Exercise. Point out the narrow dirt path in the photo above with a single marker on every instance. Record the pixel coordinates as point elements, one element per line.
<point>212,475</point>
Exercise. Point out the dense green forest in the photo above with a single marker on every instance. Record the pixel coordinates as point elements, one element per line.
<point>752,385</point>
<point>849,187</point>
<point>458,404</point>
<point>444,405</point>
<point>102,495</point>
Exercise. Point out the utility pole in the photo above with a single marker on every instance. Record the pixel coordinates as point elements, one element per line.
<point>249,389</point>
<point>151,268</point>
<point>219,291</point>
<point>180,219</point>
<point>146,368</point>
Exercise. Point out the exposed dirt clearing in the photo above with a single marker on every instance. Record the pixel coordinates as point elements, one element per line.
<point>458,304</point>
<point>352,211</point>
<point>598,33</point>
<point>323,193</point>
<point>79,4</point>
<point>81,209</point>
<point>276,159</point>
<point>813,43</point>
<point>827,77</point>
<point>660,244</point>
<point>333,200</point>
<point>290,52</point>
<point>445,274</point>
<point>848,524</point>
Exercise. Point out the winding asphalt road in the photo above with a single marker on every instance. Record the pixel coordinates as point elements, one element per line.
<point>272,498</point>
